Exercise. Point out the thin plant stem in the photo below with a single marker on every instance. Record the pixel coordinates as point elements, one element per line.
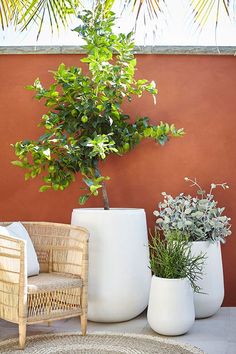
<point>104,189</point>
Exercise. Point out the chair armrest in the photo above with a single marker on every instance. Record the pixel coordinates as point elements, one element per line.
<point>13,278</point>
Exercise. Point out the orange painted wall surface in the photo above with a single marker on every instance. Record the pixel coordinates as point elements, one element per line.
<point>195,92</point>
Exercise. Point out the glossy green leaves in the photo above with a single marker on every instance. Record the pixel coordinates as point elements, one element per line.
<point>85,122</point>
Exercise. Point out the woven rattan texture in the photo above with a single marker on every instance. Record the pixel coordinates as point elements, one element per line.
<point>62,252</point>
<point>100,343</point>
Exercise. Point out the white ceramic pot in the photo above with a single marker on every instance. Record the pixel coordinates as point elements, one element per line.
<point>119,274</point>
<point>212,282</point>
<point>170,308</point>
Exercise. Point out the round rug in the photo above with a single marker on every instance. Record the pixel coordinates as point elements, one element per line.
<point>98,343</point>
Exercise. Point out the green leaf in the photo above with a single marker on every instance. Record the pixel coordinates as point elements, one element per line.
<point>85,60</point>
<point>83,199</point>
<point>94,188</point>
<point>148,132</point>
<point>30,87</point>
<point>44,188</point>
<point>17,163</point>
<point>47,153</point>
<point>27,176</point>
<point>84,121</point>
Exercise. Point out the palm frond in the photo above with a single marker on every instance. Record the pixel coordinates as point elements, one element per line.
<point>203,9</point>
<point>9,11</point>
<point>154,7</point>
<point>56,11</point>
<point>5,13</point>
<point>150,14</point>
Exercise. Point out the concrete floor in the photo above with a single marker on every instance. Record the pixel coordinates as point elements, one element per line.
<point>215,335</point>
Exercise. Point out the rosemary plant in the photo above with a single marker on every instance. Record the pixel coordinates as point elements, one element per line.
<point>171,258</point>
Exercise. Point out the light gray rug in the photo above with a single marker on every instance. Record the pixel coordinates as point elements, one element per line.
<point>98,343</point>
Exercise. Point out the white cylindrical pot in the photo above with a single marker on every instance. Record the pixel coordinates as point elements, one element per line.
<point>119,274</point>
<point>171,307</point>
<point>209,301</point>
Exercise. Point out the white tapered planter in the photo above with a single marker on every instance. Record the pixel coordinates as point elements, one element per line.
<point>212,282</point>
<point>119,274</point>
<point>171,307</point>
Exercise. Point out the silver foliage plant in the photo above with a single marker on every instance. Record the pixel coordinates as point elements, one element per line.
<point>198,217</point>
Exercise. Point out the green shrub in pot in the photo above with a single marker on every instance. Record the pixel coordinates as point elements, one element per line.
<point>175,274</point>
<point>204,222</point>
<point>171,258</point>
<point>85,121</point>
<point>197,216</point>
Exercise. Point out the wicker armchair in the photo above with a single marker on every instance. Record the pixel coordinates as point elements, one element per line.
<point>59,291</point>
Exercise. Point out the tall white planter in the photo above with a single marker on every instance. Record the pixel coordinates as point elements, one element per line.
<point>170,308</point>
<point>212,282</point>
<point>119,274</point>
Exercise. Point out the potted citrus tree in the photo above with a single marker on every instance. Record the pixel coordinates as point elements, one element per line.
<point>85,123</point>
<point>175,275</point>
<point>207,227</point>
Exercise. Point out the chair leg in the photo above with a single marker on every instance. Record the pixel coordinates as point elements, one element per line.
<point>22,335</point>
<point>83,320</point>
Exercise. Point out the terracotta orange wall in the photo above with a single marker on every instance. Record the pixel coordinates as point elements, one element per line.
<point>195,92</point>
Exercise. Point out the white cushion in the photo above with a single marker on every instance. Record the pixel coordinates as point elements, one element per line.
<point>18,230</point>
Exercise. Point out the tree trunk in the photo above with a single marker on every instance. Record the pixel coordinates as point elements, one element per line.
<point>105,196</point>
<point>104,189</point>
